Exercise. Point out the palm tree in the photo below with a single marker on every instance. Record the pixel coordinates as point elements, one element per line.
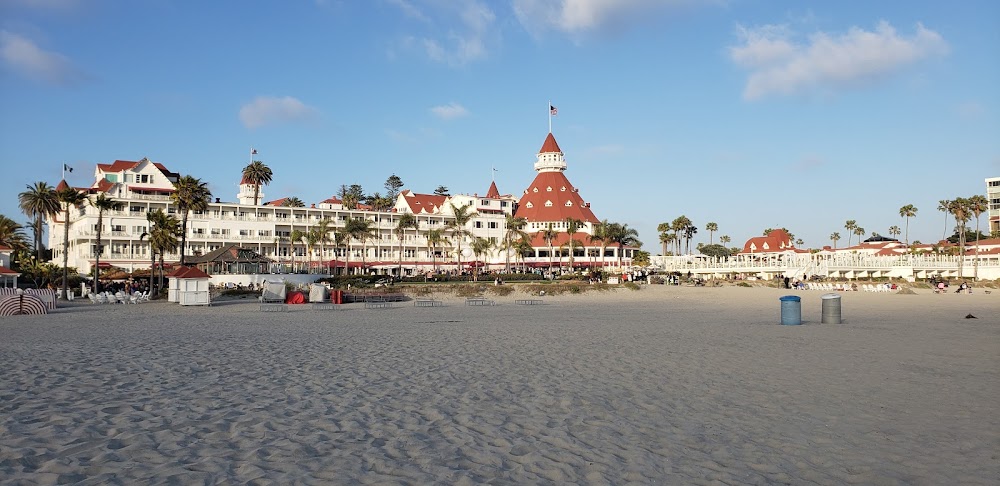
<point>70,198</point>
<point>835,237</point>
<point>894,231</point>
<point>406,221</point>
<point>359,229</point>
<point>944,206</point>
<point>190,194</point>
<point>960,210</point>
<point>296,236</point>
<point>549,234</point>
<point>689,232</point>
<point>480,246</point>
<point>860,232</point>
<point>12,234</point>
<point>293,202</point>
<point>850,226</point>
<point>514,231</point>
<point>163,231</point>
<point>458,229</point>
<point>435,237</point>
<point>602,233</point>
<point>312,238</point>
<point>342,239</point>
<point>666,239</point>
<point>907,212</point>
<point>323,230</point>
<point>664,230</point>
<point>623,235</point>
<point>523,247</point>
<point>102,203</point>
<point>679,224</point>
<point>711,228</point>
<point>572,226</point>
<point>725,239</point>
<point>39,202</point>
<point>257,174</point>
<point>978,205</point>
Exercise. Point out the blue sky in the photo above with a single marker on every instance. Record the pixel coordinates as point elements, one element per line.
<point>751,114</point>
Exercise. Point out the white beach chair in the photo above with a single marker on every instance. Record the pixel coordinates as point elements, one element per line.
<point>93,298</point>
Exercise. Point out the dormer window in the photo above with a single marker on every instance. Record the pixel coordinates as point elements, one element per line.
<point>563,189</point>
<point>534,189</point>
<point>569,204</point>
<point>548,189</point>
<point>529,205</point>
<point>548,204</point>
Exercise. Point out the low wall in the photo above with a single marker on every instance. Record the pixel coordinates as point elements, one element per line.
<point>259,278</point>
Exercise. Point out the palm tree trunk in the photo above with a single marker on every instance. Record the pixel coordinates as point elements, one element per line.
<point>65,282</point>
<point>97,255</point>
<point>256,194</point>
<point>152,266</point>
<point>184,225</point>
<point>38,236</point>
<point>975,264</point>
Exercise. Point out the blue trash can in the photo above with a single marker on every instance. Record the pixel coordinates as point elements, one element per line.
<point>791,310</point>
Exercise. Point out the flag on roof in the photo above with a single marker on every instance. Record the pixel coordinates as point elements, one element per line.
<point>253,151</point>
<point>66,167</point>
<point>553,110</point>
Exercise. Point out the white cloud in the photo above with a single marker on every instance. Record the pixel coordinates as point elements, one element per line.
<point>265,110</point>
<point>580,16</point>
<point>23,56</point>
<point>779,65</point>
<point>469,27</point>
<point>450,111</point>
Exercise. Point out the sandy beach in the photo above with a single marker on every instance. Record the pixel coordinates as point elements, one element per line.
<point>666,385</point>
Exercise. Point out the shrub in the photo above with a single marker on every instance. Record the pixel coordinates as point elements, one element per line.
<point>743,284</point>
<point>631,286</point>
<point>502,290</point>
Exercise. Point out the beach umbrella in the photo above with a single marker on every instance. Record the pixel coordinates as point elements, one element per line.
<point>22,304</point>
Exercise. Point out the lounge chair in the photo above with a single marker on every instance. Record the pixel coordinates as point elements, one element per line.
<point>273,293</point>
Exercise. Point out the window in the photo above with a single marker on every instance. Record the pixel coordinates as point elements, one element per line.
<point>135,209</point>
<point>548,204</point>
<point>128,177</point>
<point>529,205</point>
<point>118,228</point>
<point>479,224</point>
<point>548,189</point>
<point>503,204</point>
<point>563,189</point>
<point>263,232</point>
<point>493,224</point>
<point>484,202</point>
<point>142,178</point>
<point>569,203</point>
<point>111,177</point>
<point>535,189</point>
<point>244,232</point>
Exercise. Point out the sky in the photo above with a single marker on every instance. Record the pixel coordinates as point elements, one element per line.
<point>752,114</point>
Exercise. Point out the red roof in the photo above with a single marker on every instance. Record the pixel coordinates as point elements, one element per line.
<point>423,203</point>
<point>103,185</point>
<point>775,241</point>
<point>551,197</point>
<point>62,185</point>
<point>493,192</point>
<point>276,202</point>
<point>189,272</point>
<point>7,271</point>
<point>121,165</point>
<point>549,145</point>
<point>5,248</point>
<point>537,241</point>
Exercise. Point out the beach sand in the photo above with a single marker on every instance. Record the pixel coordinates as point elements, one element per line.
<point>666,385</point>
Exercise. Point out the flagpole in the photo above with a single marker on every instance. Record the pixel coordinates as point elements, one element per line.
<point>549,108</point>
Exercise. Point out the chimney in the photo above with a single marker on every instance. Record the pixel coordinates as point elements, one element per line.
<point>217,200</point>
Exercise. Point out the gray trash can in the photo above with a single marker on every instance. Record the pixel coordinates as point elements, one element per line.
<point>791,310</point>
<point>831,309</point>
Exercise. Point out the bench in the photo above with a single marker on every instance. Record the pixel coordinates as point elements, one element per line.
<point>479,301</point>
<point>325,306</point>
<point>427,303</point>
<point>528,301</point>
<point>273,307</point>
<point>377,304</point>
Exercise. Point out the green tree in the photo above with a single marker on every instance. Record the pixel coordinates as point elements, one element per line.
<point>641,258</point>
<point>323,228</point>
<point>70,198</point>
<point>12,234</point>
<point>711,228</point>
<point>258,174</point>
<point>959,209</point>
<point>850,226</point>
<point>406,221</point>
<point>392,186</point>
<point>39,202</point>
<point>163,231</point>
<point>441,191</point>
<point>549,234</point>
<point>480,246</point>
<point>714,250</point>
<point>664,230</point>
<point>907,212</point>
<point>190,194</point>
<point>459,227</point>
<point>523,247</point>
<point>602,233</point>
<point>293,202</point>
<point>514,230</point>
<point>689,232</point>
<point>666,239</point>
<point>859,231</point>
<point>944,206</point>
<point>102,203</point>
<point>435,237</point>
<point>894,231</point>
<point>573,225</point>
<point>351,195</point>
<point>360,229</point>
<point>835,237</point>
<point>978,205</point>
<point>623,236</point>
<point>725,239</point>
<point>679,225</point>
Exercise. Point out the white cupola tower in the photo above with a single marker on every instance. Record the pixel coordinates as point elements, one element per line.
<point>550,158</point>
<point>245,196</point>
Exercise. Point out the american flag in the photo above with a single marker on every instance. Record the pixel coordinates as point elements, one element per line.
<point>553,110</point>
<point>253,151</point>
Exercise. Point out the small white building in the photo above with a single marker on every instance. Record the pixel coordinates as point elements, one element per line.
<point>189,286</point>
<point>8,277</point>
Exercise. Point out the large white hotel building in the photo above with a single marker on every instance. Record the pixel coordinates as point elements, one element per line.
<point>144,186</point>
